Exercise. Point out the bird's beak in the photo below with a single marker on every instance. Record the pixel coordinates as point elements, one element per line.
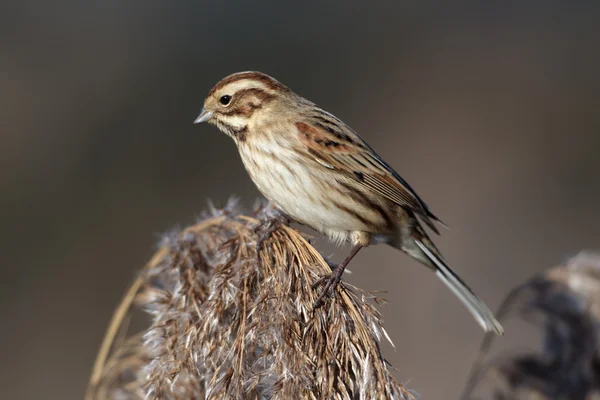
<point>204,116</point>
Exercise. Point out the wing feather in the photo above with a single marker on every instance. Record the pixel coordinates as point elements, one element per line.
<point>333,144</point>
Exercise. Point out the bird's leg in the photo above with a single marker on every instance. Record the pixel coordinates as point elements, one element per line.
<point>334,279</point>
<point>271,219</point>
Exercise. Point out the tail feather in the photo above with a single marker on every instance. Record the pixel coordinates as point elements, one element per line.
<point>474,305</point>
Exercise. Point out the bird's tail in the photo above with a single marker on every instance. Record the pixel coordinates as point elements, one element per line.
<point>425,251</point>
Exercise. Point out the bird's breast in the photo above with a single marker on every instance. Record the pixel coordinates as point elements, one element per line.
<point>310,193</point>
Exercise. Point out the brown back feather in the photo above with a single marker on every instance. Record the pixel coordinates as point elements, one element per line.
<point>337,146</point>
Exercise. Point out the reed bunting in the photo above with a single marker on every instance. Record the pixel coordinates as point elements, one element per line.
<point>319,172</point>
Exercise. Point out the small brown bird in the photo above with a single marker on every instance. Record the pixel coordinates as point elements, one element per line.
<point>319,172</point>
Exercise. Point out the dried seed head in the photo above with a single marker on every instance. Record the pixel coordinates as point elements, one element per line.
<point>228,322</point>
<point>564,302</point>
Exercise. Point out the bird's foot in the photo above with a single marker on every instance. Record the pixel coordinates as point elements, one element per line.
<point>271,220</point>
<point>334,279</point>
<point>329,283</point>
<point>320,281</point>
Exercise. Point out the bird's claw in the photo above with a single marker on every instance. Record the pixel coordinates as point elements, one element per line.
<point>322,279</point>
<point>329,282</point>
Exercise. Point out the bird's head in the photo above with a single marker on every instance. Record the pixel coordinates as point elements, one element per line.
<point>239,98</point>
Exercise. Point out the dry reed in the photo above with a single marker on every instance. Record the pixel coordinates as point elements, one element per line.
<point>564,303</point>
<point>231,322</point>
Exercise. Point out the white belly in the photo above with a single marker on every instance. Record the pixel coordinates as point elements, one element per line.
<point>300,192</point>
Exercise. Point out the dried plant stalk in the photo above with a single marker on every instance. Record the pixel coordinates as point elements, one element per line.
<point>229,321</point>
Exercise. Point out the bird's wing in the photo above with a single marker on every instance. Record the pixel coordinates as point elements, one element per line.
<point>334,145</point>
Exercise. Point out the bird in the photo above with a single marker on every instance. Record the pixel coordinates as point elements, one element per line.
<point>319,172</point>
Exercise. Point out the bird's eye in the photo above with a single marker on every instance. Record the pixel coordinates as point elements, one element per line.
<point>225,99</point>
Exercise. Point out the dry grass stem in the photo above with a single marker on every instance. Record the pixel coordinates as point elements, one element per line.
<point>231,322</point>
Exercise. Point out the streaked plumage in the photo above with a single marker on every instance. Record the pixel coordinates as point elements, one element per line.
<point>321,173</point>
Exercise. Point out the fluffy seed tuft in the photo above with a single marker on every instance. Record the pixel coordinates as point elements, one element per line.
<point>228,322</point>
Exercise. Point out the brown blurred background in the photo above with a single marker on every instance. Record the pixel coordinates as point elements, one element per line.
<point>490,111</point>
